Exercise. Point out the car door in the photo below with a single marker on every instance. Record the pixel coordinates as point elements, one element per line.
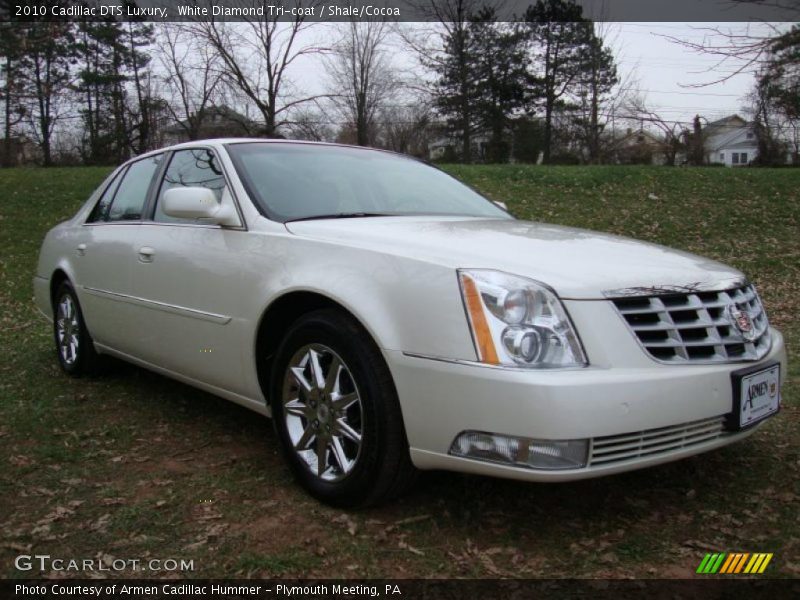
<point>105,253</point>
<point>189,278</point>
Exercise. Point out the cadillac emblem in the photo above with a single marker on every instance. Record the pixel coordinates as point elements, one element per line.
<point>743,322</point>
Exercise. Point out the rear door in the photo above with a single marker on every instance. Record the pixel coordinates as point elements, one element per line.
<point>106,252</point>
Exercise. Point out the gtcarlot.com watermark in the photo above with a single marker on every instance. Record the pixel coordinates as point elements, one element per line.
<point>103,564</point>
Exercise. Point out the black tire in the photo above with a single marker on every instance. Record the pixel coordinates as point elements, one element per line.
<point>84,360</point>
<point>382,468</point>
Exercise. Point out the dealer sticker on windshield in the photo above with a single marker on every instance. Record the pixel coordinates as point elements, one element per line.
<point>757,395</point>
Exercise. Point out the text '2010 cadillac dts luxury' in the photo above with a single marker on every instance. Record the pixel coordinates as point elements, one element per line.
<point>389,319</point>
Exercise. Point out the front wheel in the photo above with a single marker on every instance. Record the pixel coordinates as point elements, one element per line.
<point>336,413</point>
<point>74,345</point>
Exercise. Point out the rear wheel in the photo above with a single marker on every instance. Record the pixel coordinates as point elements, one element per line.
<point>336,413</point>
<point>74,345</point>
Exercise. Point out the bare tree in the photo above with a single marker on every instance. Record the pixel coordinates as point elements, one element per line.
<point>12,110</point>
<point>636,108</point>
<point>310,124</point>
<point>256,57</point>
<point>46,50</point>
<point>768,122</point>
<point>361,76</point>
<point>447,49</point>
<point>743,48</point>
<point>192,75</point>
<point>406,128</point>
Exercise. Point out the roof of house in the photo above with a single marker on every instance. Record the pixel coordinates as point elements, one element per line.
<point>732,121</point>
<point>720,126</point>
<point>639,136</point>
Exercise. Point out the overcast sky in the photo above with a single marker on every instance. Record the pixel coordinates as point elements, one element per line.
<point>665,70</point>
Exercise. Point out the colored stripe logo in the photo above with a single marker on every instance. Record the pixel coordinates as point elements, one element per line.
<point>734,563</point>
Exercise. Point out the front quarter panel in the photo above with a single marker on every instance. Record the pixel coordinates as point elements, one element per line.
<point>406,304</point>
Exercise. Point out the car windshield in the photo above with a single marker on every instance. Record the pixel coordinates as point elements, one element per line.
<point>307,181</point>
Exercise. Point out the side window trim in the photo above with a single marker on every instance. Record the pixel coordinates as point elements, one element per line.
<point>155,187</point>
<point>114,183</point>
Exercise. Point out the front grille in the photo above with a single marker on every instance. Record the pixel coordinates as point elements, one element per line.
<point>698,326</point>
<point>628,446</point>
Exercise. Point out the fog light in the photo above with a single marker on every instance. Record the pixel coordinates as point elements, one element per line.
<point>521,452</point>
<point>487,446</point>
<point>565,454</point>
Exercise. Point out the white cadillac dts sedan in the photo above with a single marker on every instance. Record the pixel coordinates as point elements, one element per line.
<point>391,319</point>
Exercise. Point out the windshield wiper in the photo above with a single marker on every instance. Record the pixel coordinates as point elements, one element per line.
<point>342,215</point>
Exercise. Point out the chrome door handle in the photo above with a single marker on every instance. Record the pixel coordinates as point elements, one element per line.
<point>81,249</point>
<point>146,254</point>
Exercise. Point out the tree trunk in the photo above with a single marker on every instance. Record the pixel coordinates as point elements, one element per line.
<point>548,128</point>
<point>42,89</point>
<point>144,116</point>
<point>549,85</point>
<point>7,161</point>
<point>698,150</point>
<point>362,135</point>
<point>464,82</point>
<point>594,133</point>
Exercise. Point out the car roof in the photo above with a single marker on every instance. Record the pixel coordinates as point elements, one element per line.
<point>220,142</point>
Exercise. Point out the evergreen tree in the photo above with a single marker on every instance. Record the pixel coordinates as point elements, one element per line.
<point>528,137</point>
<point>100,89</point>
<point>597,79</point>
<point>456,91</point>
<point>113,88</point>
<point>9,70</point>
<point>561,39</point>
<point>502,81</point>
<point>46,54</point>
<point>696,143</point>
<point>778,92</point>
<point>139,36</point>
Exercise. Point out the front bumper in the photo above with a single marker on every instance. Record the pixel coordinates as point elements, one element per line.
<point>440,399</point>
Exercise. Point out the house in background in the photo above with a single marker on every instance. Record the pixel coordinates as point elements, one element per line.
<point>639,147</point>
<point>217,121</point>
<point>448,148</point>
<point>730,141</point>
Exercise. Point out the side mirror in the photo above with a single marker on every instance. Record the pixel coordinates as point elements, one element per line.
<point>501,205</point>
<point>197,203</point>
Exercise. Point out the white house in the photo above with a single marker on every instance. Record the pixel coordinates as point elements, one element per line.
<point>440,147</point>
<point>730,141</point>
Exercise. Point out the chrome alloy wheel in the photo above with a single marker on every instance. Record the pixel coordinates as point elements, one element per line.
<point>68,330</point>
<point>322,411</point>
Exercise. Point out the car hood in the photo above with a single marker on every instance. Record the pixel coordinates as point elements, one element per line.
<point>577,263</point>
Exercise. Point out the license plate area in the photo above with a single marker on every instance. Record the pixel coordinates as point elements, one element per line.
<point>756,395</point>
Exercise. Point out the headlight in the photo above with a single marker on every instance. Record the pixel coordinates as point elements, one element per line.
<point>518,322</point>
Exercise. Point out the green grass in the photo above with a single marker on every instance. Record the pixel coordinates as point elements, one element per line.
<point>134,465</point>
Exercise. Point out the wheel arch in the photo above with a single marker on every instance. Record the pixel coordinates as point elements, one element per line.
<point>58,277</point>
<point>280,315</point>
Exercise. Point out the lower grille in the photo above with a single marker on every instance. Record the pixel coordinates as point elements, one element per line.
<point>628,446</point>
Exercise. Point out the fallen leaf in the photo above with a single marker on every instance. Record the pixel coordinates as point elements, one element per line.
<point>411,520</point>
